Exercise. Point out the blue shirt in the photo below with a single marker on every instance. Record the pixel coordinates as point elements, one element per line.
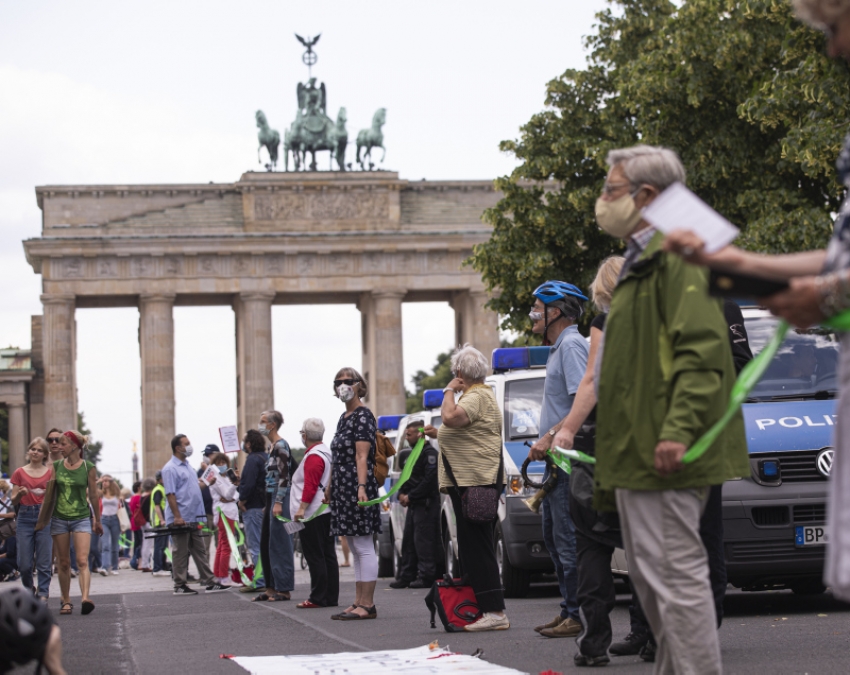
<point>180,480</point>
<point>564,370</point>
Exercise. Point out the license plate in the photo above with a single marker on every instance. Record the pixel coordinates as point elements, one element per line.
<point>811,535</point>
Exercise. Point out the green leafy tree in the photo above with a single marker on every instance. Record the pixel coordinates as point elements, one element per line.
<point>437,379</point>
<point>94,447</point>
<point>742,91</point>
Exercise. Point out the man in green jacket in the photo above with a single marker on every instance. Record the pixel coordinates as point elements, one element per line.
<point>665,377</point>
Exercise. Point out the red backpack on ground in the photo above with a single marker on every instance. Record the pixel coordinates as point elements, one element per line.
<point>455,601</point>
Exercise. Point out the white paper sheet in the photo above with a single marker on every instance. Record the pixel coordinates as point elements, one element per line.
<point>677,208</point>
<point>418,661</point>
<point>229,438</point>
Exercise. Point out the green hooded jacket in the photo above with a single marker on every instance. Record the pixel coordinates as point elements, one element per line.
<point>666,375</point>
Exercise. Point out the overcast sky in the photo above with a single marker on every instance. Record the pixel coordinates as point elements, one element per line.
<point>160,92</point>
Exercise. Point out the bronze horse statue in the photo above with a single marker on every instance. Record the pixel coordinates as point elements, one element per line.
<point>372,138</point>
<point>269,138</point>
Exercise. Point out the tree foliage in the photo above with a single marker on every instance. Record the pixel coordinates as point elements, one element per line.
<point>437,379</point>
<point>94,447</point>
<point>741,90</point>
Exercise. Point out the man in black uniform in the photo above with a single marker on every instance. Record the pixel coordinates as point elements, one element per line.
<point>421,495</point>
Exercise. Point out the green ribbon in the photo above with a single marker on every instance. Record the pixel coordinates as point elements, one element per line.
<point>168,554</point>
<point>405,473</point>
<point>577,455</point>
<point>321,510</point>
<point>235,542</point>
<point>840,321</point>
<point>749,377</point>
<point>124,541</point>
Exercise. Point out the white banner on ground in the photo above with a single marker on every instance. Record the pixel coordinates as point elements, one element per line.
<point>425,660</point>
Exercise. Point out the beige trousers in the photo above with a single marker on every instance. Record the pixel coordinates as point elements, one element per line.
<point>668,567</point>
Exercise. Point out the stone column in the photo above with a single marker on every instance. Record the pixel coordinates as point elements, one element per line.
<point>366,305</point>
<point>474,323</point>
<point>254,373</point>
<point>59,354</point>
<point>156,343</point>
<point>17,435</point>
<point>387,384</point>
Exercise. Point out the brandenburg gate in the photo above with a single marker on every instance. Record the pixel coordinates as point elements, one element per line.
<point>368,238</point>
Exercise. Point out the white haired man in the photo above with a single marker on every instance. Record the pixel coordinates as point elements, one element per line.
<point>666,376</point>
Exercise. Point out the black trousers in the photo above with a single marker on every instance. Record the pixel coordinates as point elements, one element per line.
<point>265,533</point>
<point>319,548</point>
<point>477,553</point>
<point>420,540</point>
<point>596,596</point>
<point>711,533</point>
<point>7,566</point>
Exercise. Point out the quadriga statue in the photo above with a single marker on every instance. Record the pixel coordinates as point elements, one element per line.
<point>269,138</point>
<point>372,138</point>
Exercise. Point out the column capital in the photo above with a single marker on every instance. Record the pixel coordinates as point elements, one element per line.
<point>268,296</point>
<point>15,404</point>
<point>389,293</point>
<point>157,297</point>
<point>58,298</point>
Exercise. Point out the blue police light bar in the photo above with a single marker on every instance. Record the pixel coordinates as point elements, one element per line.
<point>510,358</point>
<point>432,398</point>
<point>389,422</point>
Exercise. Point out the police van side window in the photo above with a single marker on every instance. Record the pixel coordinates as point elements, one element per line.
<point>523,401</point>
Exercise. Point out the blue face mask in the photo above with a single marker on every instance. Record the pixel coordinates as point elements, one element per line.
<point>222,469</point>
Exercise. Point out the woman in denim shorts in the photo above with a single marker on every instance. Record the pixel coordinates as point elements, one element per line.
<point>72,517</point>
<point>30,483</point>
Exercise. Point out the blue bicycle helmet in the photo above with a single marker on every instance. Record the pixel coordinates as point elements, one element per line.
<point>549,291</point>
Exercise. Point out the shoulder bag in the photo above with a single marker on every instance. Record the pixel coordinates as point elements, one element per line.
<point>48,504</point>
<point>480,502</point>
<point>123,518</point>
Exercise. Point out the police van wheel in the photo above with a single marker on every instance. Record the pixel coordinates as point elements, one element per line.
<point>451,562</point>
<point>386,568</point>
<point>515,581</point>
<point>813,586</point>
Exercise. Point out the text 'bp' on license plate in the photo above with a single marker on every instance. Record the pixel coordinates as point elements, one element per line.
<point>811,535</point>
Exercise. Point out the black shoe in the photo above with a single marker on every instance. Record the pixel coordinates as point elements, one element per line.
<point>184,590</point>
<point>591,661</point>
<point>647,653</point>
<point>216,587</point>
<point>401,583</point>
<point>419,583</point>
<point>630,646</point>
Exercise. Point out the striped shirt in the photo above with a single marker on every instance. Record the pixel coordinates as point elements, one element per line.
<point>474,450</point>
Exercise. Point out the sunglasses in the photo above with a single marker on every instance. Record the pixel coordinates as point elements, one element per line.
<point>54,439</point>
<point>349,382</point>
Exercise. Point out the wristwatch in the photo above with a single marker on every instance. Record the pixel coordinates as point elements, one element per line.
<point>552,432</point>
<point>448,389</point>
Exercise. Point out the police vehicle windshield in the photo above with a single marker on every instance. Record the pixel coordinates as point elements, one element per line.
<point>805,367</point>
<point>523,400</point>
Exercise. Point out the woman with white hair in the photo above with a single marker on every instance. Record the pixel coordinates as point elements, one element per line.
<point>305,499</point>
<point>819,288</point>
<point>471,457</point>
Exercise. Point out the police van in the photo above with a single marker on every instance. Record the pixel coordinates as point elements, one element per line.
<point>389,424</point>
<point>774,519</point>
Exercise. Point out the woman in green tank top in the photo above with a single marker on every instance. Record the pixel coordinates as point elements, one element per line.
<point>75,491</point>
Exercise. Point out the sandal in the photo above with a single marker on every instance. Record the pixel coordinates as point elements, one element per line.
<point>262,597</point>
<point>336,617</point>
<point>67,608</point>
<point>88,607</point>
<point>371,613</point>
<point>308,604</point>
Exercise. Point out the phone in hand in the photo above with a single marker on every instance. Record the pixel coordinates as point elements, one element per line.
<point>231,474</point>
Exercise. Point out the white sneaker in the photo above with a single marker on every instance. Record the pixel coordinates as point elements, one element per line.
<point>162,573</point>
<point>102,572</point>
<point>115,573</point>
<point>489,621</point>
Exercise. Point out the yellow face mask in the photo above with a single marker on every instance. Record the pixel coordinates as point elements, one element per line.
<point>619,217</point>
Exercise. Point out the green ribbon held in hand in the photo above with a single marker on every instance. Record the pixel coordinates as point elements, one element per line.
<point>235,542</point>
<point>319,512</point>
<point>405,473</point>
<point>749,377</point>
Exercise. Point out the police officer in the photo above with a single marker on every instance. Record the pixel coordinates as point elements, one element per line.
<point>421,495</point>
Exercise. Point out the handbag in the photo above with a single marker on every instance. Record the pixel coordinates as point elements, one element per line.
<point>455,602</point>
<point>480,502</point>
<point>123,518</point>
<point>48,504</point>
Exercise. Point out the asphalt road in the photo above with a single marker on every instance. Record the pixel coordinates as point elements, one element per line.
<point>151,631</point>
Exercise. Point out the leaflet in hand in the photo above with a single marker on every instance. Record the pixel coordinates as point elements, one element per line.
<point>208,475</point>
<point>677,208</point>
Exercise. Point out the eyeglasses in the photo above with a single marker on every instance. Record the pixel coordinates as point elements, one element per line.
<point>302,432</point>
<point>349,382</point>
<point>609,188</point>
<point>55,439</point>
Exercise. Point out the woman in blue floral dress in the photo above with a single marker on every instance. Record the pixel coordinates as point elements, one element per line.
<point>353,480</point>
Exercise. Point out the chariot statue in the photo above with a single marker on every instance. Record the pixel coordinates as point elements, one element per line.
<point>269,138</point>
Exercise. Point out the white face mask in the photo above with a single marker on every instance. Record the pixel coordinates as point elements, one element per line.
<point>263,429</point>
<point>619,217</point>
<point>535,316</point>
<point>345,392</point>
<point>188,450</point>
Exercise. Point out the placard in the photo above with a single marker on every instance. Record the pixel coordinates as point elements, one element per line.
<point>208,475</point>
<point>229,438</point>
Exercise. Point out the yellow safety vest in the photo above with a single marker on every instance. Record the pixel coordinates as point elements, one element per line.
<point>154,519</point>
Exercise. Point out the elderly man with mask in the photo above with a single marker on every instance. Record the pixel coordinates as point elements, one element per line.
<point>665,378</point>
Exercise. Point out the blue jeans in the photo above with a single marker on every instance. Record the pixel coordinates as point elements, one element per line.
<point>253,521</point>
<point>281,556</point>
<point>159,545</point>
<point>95,559</point>
<point>560,538</point>
<point>34,545</point>
<point>109,541</point>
